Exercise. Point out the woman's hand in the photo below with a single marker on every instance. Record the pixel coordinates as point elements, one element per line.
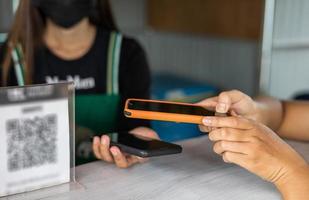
<point>103,150</point>
<point>258,149</point>
<point>233,101</point>
<point>264,110</point>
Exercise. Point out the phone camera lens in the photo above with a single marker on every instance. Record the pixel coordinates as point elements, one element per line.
<point>128,114</point>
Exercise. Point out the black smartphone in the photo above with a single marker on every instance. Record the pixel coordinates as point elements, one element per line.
<point>168,107</point>
<point>142,146</point>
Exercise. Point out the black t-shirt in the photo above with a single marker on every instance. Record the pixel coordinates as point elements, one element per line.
<point>89,72</point>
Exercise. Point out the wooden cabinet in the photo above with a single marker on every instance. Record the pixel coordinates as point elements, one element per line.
<point>219,18</point>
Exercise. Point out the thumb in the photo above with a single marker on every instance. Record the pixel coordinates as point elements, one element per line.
<point>227,99</point>
<point>224,102</point>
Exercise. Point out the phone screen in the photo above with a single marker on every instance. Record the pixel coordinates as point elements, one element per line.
<point>142,146</point>
<point>169,108</point>
<point>134,141</point>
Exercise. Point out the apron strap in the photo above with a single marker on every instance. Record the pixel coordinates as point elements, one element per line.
<point>113,61</point>
<point>17,57</point>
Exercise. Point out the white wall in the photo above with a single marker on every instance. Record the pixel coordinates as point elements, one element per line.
<point>6,16</point>
<point>227,63</point>
<point>289,71</point>
<point>6,13</point>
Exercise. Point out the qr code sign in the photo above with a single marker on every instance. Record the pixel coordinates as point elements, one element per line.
<point>31,142</point>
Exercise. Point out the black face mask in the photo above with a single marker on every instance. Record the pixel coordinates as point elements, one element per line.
<point>65,13</point>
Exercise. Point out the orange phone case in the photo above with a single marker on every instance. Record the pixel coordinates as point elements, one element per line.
<point>161,116</point>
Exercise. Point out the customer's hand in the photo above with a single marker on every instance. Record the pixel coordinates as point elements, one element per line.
<point>103,150</point>
<point>233,101</point>
<point>256,148</point>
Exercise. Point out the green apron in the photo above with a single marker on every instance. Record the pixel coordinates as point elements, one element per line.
<point>99,112</point>
<point>95,114</point>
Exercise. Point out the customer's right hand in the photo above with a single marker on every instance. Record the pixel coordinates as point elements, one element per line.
<point>258,149</point>
<point>235,102</point>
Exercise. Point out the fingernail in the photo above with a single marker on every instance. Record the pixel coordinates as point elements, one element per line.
<point>207,121</point>
<point>114,151</point>
<point>103,140</point>
<point>221,107</point>
<point>96,140</point>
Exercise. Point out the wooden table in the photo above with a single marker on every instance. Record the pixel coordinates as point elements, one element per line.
<point>197,173</point>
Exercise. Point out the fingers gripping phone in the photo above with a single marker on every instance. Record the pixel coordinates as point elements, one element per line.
<point>166,111</point>
<point>142,146</point>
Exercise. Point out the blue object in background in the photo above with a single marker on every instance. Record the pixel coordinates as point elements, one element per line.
<point>171,132</point>
<point>174,88</point>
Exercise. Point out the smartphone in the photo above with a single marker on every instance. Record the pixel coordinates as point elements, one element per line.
<point>142,146</point>
<point>166,111</point>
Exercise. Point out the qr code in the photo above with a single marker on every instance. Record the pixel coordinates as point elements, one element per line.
<point>31,142</point>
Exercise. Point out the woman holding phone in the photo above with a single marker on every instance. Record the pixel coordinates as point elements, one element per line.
<point>78,40</point>
<point>251,138</point>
